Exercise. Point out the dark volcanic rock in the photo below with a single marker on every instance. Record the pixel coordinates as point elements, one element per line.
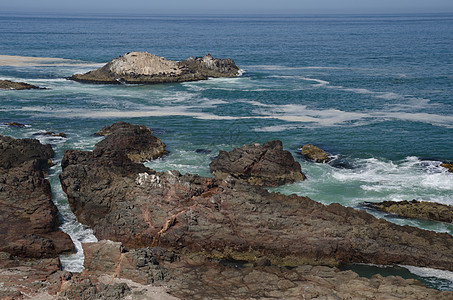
<point>211,67</point>
<point>28,218</point>
<point>142,67</point>
<point>314,153</point>
<point>416,210</point>
<point>448,166</point>
<point>127,202</point>
<point>10,85</point>
<point>267,165</point>
<point>14,152</point>
<point>137,142</point>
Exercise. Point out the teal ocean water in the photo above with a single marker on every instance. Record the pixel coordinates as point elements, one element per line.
<point>374,91</point>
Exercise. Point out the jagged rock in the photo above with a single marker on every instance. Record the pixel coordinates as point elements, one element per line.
<point>127,202</point>
<point>195,277</point>
<point>20,278</point>
<point>137,142</point>
<point>314,153</point>
<point>211,67</point>
<point>28,218</point>
<point>267,165</point>
<point>14,152</point>
<point>448,166</point>
<point>416,209</point>
<point>11,85</point>
<point>140,265</point>
<point>142,67</point>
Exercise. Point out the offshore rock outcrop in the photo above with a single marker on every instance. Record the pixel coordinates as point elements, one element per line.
<point>416,210</point>
<point>28,218</point>
<point>314,153</point>
<point>143,67</point>
<point>11,85</point>
<point>137,142</point>
<point>126,202</point>
<point>264,165</point>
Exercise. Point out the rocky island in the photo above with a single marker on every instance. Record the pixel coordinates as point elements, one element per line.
<point>146,68</point>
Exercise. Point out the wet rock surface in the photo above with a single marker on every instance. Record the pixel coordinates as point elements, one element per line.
<point>264,165</point>
<point>11,85</point>
<point>449,167</point>
<point>142,67</point>
<point>224,219</point>
<point>314,153</point>
<point>136,142</point>
<point>416,210</point>
<point>28,218</point>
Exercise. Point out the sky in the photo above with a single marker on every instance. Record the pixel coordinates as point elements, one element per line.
<point>150,7</point>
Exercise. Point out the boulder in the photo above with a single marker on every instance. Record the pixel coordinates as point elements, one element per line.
<point>314,153</point>
<point>137,142</point>
<point>416,210</point>
<point>28,218</point>
<point>449,167</point>
<point>14,152</point>
<point>265,165</point>
<point>11,85</point>
<point>143,67</point>
<point>126,202</point>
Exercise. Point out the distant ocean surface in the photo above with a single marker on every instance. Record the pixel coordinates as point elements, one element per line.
<point>374,91</point>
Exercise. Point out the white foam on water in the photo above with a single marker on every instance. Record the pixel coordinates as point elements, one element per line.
<point>279,67</point>
<point>429,272</point>
<point>78,233</point>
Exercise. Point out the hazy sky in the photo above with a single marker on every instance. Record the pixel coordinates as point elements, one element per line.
<point>225,6</point>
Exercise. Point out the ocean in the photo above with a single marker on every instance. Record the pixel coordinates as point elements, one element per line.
<point>375,91</point>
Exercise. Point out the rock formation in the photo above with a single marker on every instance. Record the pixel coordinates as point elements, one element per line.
<point>265,165</point>
<point>227,219</point>
<point>11,85</point>
<point>416,210</point>
<point>137,142</point>
<point>195,277</point>
<point>314,153</point>
<point>28,218</point>
<point>142,67</point>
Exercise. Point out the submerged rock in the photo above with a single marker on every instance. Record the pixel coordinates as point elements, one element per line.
<point>143,67</point>
<point>227,219</point>
<point>266,165</point>
<point>416,210</point>
<point>314,153</point>
<point>11,85</point>
<point>28,218</point>
<point>137,142</point>
<point>15,124</point>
